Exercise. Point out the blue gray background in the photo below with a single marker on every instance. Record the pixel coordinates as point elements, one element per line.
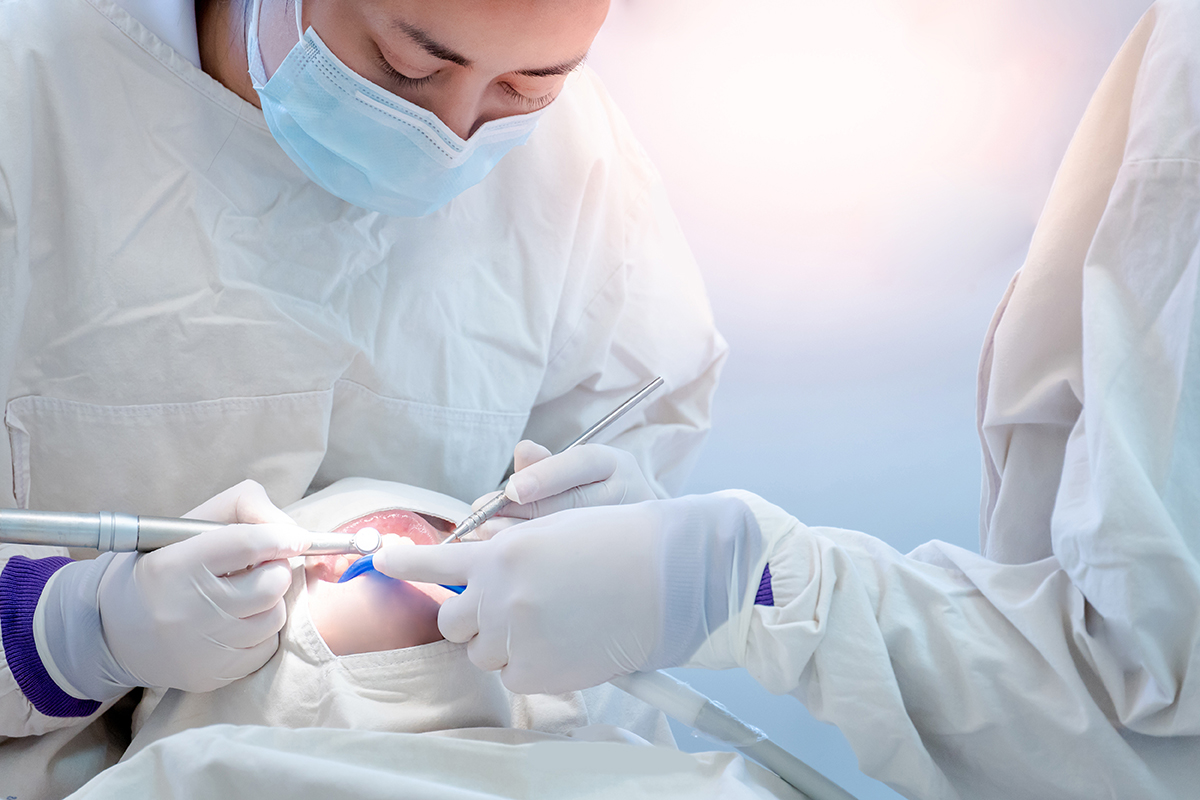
<point>859,179</point>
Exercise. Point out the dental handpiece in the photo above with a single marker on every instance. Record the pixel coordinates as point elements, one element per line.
<point>500,501</point>
<point>113,530</point>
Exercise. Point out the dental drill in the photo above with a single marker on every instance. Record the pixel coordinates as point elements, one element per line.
<point>113,530</point>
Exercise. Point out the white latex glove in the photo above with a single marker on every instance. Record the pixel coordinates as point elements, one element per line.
<point>196,615</point>
<point>571,600</point>
<point>588,475</point>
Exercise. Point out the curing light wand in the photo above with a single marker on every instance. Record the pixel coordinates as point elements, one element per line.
<point>493,506</point>
<point>112,530</point>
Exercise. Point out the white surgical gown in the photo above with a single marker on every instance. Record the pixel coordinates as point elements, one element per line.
<point>181,309</point>
<point>1063,662</point>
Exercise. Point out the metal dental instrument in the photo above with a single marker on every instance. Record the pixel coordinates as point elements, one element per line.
<point>110,530</point>
<point>493,506</point>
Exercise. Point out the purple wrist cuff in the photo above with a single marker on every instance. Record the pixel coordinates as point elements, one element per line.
<point>21,585</point>
<point>765,596</point>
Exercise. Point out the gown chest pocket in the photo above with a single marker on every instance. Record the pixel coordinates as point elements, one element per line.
<point>461,452</point>
<point>166,458</point>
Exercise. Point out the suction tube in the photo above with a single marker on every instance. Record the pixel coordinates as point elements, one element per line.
<point>678,700</point>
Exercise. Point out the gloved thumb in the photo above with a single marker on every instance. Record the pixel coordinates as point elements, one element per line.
<point>554,475</point>
<point>226,551</point>
<point>245,502</point>
<point>445,564</point>
<point>527,453</point>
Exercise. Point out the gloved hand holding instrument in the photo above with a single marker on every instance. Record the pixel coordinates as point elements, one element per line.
<point>194,615</point>
<point>578,596</point>
<point>584,596</point>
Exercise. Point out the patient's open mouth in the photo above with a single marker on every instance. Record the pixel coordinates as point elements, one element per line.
<point>420,528</point>
<point>395,520</point>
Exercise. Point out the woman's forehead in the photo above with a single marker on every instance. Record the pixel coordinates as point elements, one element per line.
<point>517,34</point>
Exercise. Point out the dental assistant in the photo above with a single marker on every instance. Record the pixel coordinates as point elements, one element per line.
<point>294,243</point>
<point>1063,659</point>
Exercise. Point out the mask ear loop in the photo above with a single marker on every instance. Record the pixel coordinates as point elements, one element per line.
<point>299,18</point>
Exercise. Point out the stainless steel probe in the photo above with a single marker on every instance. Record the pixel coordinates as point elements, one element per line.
<point>113,530</point>
<point>493,506</point>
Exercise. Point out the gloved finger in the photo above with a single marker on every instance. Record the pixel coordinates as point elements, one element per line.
<point>495,525</point>
<point>528,452</point>
<point>519,678</point>
<point>589,463</point>
<point>483,500</point>
<point>450,564</point>
<point>245,502</point>
<point>458,618</point>
<point>254,591</point>
<point>253,505</point>
<point>590,496</point>
<point>488,651</point>
<point>241,663</point>
<point>238,547</point>
<point>252,631</point>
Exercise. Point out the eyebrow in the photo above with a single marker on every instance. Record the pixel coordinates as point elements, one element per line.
<point>437,50</point>
<point>558,69</point>
<point>427,44</point>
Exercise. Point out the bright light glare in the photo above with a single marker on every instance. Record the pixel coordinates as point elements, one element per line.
<point>835,148</point>
<point>818,108</point>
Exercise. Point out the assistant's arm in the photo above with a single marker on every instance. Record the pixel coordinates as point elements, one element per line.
<point>997,675</point>
<point>950,675</point>
<point>1066,674</point>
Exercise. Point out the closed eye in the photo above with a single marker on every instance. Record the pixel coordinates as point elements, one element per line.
<point>530,103</point>
<point>399,78</point>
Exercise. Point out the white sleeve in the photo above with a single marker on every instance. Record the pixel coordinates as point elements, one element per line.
<point>1077,675</point>
<point>17,715</point>
<point>649,317</point>
<point>950,675</point>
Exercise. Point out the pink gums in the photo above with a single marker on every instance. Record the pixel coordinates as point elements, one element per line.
<point>395,520</point>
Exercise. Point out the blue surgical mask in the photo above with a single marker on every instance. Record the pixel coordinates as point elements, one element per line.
<point>364,144</point>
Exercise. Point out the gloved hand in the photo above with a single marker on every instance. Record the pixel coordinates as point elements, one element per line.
<point>588,475</point>
<point>571,600</point>
<point>196,615</point>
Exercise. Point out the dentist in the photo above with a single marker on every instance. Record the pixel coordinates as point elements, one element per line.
<point>296,242</point>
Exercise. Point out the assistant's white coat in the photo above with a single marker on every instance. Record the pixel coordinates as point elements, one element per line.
<point>1064,661</point>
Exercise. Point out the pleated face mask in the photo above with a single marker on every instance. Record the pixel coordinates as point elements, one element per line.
<point>365,144</point>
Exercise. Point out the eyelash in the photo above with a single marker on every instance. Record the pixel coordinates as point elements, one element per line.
<point>531,103</point>
<point>399,77</point>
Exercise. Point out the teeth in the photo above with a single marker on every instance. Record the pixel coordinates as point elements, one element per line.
<point>396,520</point>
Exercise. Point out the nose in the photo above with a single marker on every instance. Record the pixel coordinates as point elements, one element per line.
<point>458,107</point>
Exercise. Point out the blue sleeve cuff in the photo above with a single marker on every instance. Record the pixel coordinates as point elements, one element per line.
<point>765,596</point>
<point>21,585</point>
